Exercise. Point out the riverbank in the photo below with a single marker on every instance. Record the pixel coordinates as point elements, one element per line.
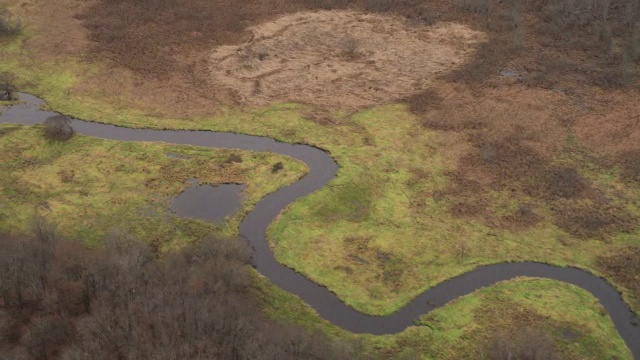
<point>417,176</point>
<point>254,227</point>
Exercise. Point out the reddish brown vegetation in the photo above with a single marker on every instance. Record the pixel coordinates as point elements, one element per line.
<point>624,267</point>
<point>630,162</point>
<point>523,344</point>
<point>549,40</point>
<point>550,44</point>
<point>62,301</point>
<point>589,219</point>
<point>565,183</point>
<point>516,333</point>
<point>145,35</point>
<point>578,208</point>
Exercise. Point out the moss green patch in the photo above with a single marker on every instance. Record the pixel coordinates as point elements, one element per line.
<point>92,186</point>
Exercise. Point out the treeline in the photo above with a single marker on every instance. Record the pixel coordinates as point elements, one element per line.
<point>59,300</point>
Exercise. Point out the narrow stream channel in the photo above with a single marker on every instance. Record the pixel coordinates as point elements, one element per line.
<point>322,169</point>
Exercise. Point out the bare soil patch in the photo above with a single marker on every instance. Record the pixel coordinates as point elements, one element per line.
<point>340,58</point>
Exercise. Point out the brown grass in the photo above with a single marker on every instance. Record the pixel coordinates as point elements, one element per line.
<point>577,207</point>
<point>516,332</point>
<point>341,59</point>
<point>563,182</point>
<point>555,43</point>
<point>624,267</point>
<point>64,33</point>
<point>611,126</point>
<point>590,219</point>
<point>521,146</point>
<point>143,35</point>
<point>630,162</point>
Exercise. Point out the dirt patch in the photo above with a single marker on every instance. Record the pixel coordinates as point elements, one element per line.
<point>340,58</point>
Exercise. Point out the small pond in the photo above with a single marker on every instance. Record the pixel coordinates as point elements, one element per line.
<point>207,202</point>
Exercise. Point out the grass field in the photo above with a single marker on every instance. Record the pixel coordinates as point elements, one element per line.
<point>129,189</point>
<point>91,187</point>
<point>467,173</point>
<point>395,191</point>
<point>576,324</point>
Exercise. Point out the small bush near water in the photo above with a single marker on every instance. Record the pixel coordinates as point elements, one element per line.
<point>58,128</point>
<point>8,25</point>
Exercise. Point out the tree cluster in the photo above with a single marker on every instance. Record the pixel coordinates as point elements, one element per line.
<point>60,300</point>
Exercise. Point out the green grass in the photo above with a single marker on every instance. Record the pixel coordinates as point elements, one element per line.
<point>386,194</point>
<point>112,191</point>
<point>379,234</point>
<point>91,186</point>
<point>577,323</point>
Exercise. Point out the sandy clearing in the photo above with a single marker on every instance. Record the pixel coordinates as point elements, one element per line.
<point>339,59</point>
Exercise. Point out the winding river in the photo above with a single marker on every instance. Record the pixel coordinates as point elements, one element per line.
<point>322,169</point>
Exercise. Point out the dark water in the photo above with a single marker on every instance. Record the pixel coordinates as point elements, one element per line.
<point>206,202</point>
<point>322,170</point>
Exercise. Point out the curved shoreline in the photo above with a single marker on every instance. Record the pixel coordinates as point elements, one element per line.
<point>322,170</point>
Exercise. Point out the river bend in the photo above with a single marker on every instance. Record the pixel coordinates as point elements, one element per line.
<point>323,169</point>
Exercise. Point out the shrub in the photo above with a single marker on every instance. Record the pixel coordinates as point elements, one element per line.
<point>234,159</point>
<point>199,302</point>
<point>277,167</point>
<point>9,26</point>
<point>58,128</point>
<point>44,230</point>
<point>424,101</point>
<point>7,89</point>
<point>350,47</point>
<point>565,183</point>
<point>523,217</point>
